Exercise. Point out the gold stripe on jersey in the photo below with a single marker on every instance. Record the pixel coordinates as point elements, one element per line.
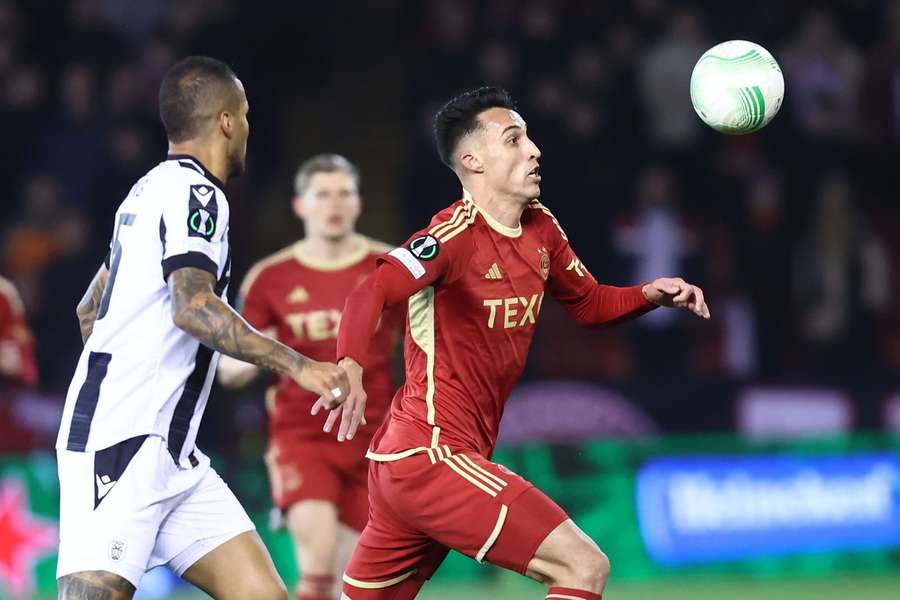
<point>395,456</point>
<point>498,526</point>
<point>538,206</point>
<point>481,469</point>
<point>465,467</point>
<point>435,436</point>
<point>454,220</point>
<point>465,475</point>
<point>280,256</point>
<point>470,212</point>
<point>421,329</point>
<point>377,585</point>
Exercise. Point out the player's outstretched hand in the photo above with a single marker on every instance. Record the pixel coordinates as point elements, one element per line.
<point>675,291</point>
<point>353,412</point>
<point>326,379</point>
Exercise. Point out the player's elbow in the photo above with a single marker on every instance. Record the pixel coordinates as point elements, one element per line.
<point>184,318</point>
<point>83,310</point>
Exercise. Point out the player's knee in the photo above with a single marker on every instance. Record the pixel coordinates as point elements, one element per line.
<point>589,569</point>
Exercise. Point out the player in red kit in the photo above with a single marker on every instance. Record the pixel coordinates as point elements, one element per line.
<point>474,281</point>
<point>17,363</point>
<point>298,294</point>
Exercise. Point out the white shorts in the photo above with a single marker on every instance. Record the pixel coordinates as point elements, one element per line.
<point>129,508</point>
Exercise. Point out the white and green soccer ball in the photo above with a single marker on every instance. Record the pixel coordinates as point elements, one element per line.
<point>737,87</point>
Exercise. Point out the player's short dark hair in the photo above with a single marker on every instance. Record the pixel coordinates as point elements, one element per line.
<point>323,163</point>
<point>459,117</point>
<point>195,89</point>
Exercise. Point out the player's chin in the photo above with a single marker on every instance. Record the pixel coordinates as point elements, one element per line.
<point>337,233</point>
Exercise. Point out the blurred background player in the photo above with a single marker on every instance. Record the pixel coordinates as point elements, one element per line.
<point>18,367</point>
<point>474,280</point>
<point>17,363</point>
<point>298,294</point>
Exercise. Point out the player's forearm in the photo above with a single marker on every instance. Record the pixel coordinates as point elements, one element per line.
<point>90,303</point>
<point>197,310</point>
<point>221,328</point>
<point>359,320</point>
<point>608,305</point>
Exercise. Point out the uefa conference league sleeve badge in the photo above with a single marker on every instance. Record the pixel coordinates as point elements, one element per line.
<point>203,212</point>
<point>424,247</point>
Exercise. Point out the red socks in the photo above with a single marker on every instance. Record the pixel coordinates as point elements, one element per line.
<point>316,587</point>
<point>561,593</point>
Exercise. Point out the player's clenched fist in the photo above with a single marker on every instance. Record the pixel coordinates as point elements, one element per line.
<point>326,379</point>
<point>675,291</point>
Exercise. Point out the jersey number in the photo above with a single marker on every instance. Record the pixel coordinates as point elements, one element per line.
<point>114,259</point>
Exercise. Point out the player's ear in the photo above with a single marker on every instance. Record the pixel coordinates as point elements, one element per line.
<point>297,205</point>
<point>471,162</point>
<point>226,123</point>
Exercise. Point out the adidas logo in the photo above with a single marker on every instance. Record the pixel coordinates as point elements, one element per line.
<point>493,272</point>
<point>298,295</point>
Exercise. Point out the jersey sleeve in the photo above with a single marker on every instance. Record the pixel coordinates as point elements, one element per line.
<point>427,258</point>
<point>192,227</point>
<point>570,282</point>
<point>253,302</point>
<point>424,258</point>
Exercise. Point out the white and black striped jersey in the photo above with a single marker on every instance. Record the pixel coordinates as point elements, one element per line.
<point>138,373</point>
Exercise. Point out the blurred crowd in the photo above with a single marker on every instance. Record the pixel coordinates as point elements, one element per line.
<point>791,231</point>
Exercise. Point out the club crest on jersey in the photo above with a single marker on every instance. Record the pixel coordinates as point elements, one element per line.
<point>545,264</point>
<point>117,549</point>
<point>424,247</point>
<point>203,212</point>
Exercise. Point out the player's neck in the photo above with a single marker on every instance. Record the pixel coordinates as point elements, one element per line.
<point>329,249</point>
<point>214,162</point>
<point>505,210</point>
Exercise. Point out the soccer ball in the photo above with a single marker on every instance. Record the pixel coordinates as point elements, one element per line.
<point>737,87</point>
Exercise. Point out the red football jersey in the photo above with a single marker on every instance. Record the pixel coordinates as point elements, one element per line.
<point>479,287</point>
<point>17,361</point>
<point>301,300</point>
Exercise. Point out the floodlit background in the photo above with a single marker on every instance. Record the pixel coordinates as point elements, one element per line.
<point>751,456</point>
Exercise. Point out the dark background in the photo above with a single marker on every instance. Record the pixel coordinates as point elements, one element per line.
<point>792,231</point>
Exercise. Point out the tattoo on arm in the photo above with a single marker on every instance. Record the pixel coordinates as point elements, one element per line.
<point>94,585</point>
<point>197,310</point>
<point>90,303</point>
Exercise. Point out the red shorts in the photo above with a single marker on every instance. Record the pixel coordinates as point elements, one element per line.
<point>426,504</point>
<point>302,469</point>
